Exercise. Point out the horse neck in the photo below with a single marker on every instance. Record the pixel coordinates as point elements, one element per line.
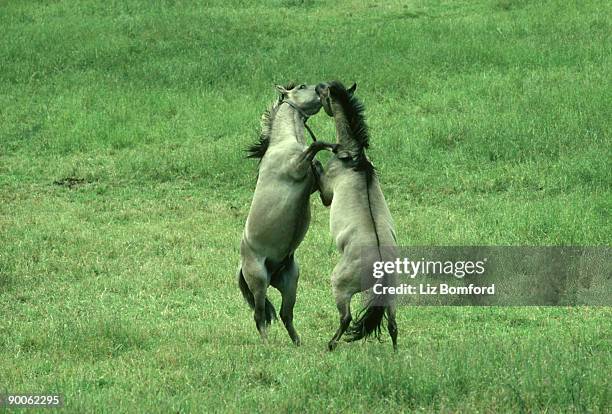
<point>344,134</point>
<point>288,126</point>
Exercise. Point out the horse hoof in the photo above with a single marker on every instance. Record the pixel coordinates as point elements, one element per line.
<point>332,345</point>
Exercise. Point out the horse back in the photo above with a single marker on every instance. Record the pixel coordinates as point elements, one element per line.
<point>359,213</point>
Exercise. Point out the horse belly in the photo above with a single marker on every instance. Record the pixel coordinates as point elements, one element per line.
<point>277,225</point>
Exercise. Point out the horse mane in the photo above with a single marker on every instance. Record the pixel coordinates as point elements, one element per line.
<point>258,148</point>
<point>354,113</point>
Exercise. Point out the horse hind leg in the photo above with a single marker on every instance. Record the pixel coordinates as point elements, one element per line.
<point>256,278</point>
<point>250,300</point>
<point>343,303</point>
<point>286,282</point>
<point>392,325</point>
<point>261,319</point>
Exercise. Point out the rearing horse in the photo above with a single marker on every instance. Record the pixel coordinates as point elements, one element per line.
<point>280,211</point>
<point>359,216</point>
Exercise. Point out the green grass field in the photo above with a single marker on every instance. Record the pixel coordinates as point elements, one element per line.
<point>124,191</point>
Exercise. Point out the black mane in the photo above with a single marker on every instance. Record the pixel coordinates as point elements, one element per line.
<point>259,148</point>
<point>354,112</point>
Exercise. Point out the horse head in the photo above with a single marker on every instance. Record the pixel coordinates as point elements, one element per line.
<point>302,97</point>
<point>333,91</point>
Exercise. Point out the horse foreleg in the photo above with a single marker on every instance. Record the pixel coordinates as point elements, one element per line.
<point>322,184</point>
<point>303,163</point>
<point>312,150</point>
<point>317,173</point>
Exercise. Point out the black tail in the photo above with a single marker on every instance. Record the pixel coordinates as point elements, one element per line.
<point>369,322</point>
<point>248,296</point>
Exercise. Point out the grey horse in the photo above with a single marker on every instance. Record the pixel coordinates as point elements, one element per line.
<point>280,211</point>
<point>359,216</point>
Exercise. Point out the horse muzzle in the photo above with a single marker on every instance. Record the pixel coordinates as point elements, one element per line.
<point>322,90</point>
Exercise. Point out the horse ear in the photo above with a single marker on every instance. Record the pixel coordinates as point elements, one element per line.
<point>281,90</point>
<point>352,89</point>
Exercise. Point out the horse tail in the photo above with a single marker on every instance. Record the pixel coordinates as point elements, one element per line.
<point>369,322</point>
<point>248,297</point>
